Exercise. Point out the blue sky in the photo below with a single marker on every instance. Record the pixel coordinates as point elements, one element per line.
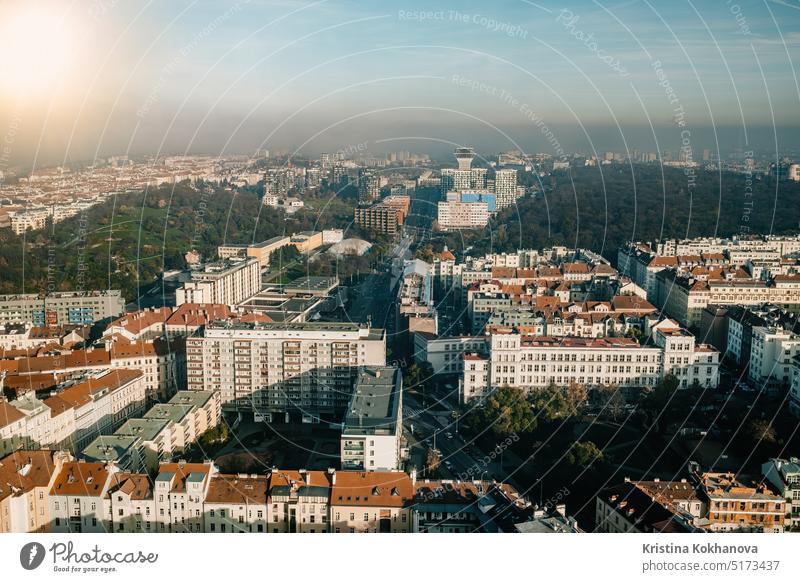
<point>227,76</point>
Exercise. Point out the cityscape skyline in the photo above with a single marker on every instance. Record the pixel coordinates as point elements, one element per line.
<point>105,78</point>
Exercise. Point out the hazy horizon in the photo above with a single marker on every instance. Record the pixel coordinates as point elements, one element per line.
<point>101,77</point>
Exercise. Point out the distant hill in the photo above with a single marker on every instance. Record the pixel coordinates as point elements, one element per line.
<point>601,211</point>
<point>127,241</point>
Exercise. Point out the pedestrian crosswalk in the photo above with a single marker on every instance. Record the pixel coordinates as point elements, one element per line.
<point>412,412</point>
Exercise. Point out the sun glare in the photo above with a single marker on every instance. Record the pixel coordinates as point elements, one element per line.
<point>39,49</point>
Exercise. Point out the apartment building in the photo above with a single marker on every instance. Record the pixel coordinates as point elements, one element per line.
<point>78,498</point>
<point>237,504</point>
<point>691,364</point>
<point>685,297</point>
<point>445,354</point>
<point>385,217</point>
<point>76,413</point>
<point>458,215</point>
<point>637,507</point>
<point>505,186</point>
<point>733,506</point>
<point>771,355</point>
<point>535,362</point>
<point>143,324</point>
<point>784,477</point>
<point>373,424</point>
<point>298,501</point>
<point>131,505</point>
<point>363,502</point>
<point>178,493</point>
<point>125,451</point>
<point>794,387</point>
<point>26,477</point>
<point>228,282</point>
<point>283,370</point>
<point>481,506</point>
<point>160,361</point>
<point>188,415</point>
<point>61,307</point>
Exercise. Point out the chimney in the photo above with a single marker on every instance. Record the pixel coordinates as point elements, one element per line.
<point>413,475</point>
<point>332,474</point>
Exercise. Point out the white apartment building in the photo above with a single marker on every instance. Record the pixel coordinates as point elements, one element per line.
<point>691,364</point>
<point>373,424</point>
<point>784,476</point>
<point>536,362</point>
<point>77,414</point>
<point>771,354</point>
<point>25,481</point>
<point>179,492</point>
<point>79,498</point>
<point>505,187</point>
<point>445,354</point>
<point>530,362</point>
<point>794,388</point>
<point>229,282</point>
<point>276,369</point>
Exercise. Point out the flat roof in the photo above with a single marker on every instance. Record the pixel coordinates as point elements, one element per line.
<point>191,397</point>
<point>145,428</point>
<point>375,400</point>
<point>312,284</point>
<point>269,242</point>
<point>173,412</point>
<point>109,447</point>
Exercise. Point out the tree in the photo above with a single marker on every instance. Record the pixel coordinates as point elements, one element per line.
<point>582,454</point>
<point>425,254</point>
<point>761,432</point>
<point>433,460</point>
<point>576,395</point>
<point>663,392</point>
<point>551,402</point>
<point>507,411</point>
<point>616,405</point>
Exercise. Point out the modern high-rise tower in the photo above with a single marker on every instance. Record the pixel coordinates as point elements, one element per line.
<point>464,156</point>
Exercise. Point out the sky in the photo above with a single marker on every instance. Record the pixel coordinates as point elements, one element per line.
<point>91,78</point>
